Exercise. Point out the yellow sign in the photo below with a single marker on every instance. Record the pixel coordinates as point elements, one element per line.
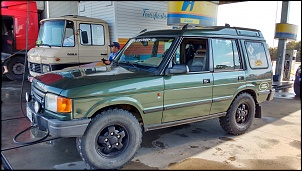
<point>200,8</point>
<point>191,11</point>
<point>258,63</point>
<point>189,21</point>
<point>286,31</point>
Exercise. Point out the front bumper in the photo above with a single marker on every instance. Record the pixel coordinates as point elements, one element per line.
<point>55,127</point>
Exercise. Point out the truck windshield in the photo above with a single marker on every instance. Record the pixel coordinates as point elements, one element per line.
<point>51,33</point>
<point>145,52</point>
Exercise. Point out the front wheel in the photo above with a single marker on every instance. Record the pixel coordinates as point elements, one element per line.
<point>111,140</point>
<point>240,115</point>
<point>16,68</point>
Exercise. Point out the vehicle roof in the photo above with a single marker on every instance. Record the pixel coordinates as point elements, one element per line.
<point>76,18</point>
<point>206,31</point>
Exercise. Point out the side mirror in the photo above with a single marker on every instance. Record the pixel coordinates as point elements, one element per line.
<point>177,69</point>
<point>84,37</point>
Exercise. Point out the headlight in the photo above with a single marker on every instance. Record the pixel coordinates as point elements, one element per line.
<point>57,103</point>
<point>45,68</point>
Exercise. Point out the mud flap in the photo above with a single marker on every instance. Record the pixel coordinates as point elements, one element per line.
<point>271,95</point>
<point>258,111</point>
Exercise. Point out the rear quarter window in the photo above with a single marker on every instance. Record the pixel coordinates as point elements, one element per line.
<point>256,55</point>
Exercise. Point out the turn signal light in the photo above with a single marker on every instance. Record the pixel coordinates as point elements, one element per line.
<point>64,105</point>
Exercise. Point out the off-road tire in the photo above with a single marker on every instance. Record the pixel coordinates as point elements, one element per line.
<point>114,128</point>
<point>240,115</point>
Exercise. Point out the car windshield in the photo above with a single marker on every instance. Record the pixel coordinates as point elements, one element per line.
<point>52,32</point>
<point>144,53</point>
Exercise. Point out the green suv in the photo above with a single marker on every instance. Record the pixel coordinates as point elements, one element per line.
<point>158,79</point>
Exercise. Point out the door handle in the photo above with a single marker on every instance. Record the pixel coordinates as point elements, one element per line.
<point>206,81</point>
<point>103,53</point>
<point>240,78</point>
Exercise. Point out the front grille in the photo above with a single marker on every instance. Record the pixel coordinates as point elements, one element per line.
<point>35,67</point>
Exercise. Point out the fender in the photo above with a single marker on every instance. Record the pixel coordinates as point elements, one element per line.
<point>115,101</point>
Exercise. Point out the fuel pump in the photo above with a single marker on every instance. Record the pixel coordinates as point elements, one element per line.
<point>289,65</point>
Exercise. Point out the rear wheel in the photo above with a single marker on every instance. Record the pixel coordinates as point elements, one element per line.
<point>240,115</point>
<point>16,68</point>
<point>111,140</point>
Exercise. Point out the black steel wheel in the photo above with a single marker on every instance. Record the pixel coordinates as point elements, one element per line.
<point>111,140</point>
<point>240,115</point>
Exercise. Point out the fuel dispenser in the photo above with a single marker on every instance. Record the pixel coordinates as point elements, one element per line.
<point>289,65</point>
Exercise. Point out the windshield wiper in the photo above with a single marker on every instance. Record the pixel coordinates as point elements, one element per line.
<point>43,45</point>
<point>135,66</point>
<point>130,64</point>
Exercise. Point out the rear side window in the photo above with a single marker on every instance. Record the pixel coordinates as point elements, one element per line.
<point>225,55</point>
<point>256,55</point>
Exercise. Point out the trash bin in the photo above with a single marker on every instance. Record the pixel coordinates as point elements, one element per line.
<point>275,77</point>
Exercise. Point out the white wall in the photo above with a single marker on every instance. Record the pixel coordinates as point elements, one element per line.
<point>134,16</point>
<point>40,5</point>
<point>100,9</point>
<point>59,8</point>
<point>127,18</point>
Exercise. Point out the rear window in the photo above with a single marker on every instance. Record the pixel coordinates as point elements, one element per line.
<point>256,55</point>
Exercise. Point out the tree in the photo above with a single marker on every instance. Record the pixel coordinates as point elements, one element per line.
<point>273,53</point>
<point>292,45</point>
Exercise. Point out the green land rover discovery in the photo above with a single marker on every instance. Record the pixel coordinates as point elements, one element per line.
<point>159,79</point>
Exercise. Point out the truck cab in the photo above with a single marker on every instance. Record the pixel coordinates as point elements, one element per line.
<point>68,41</point>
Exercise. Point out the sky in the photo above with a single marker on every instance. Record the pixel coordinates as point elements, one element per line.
<point>261,15</point>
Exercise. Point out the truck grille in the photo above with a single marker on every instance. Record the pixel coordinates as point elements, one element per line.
<point>35,67</point>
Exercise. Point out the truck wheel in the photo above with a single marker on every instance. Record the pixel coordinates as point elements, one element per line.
<point>111,140</point>
<point>16,68</point>
<point>240,115</point>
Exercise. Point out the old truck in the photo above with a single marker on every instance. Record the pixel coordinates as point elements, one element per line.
<point>68,41</point>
